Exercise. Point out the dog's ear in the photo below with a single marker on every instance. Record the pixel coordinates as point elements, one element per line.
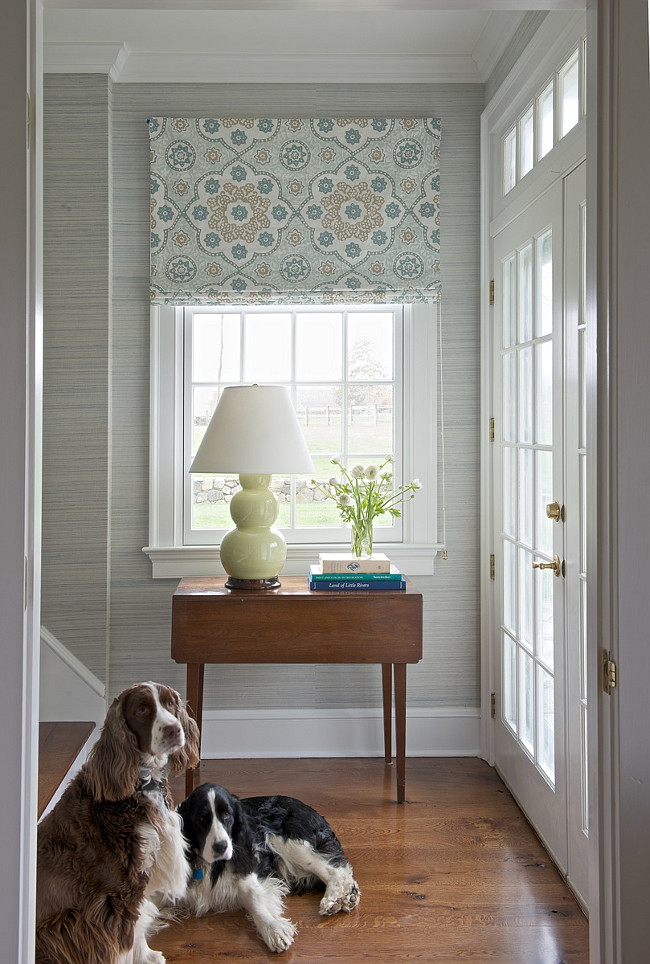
<point>242,830</point>
<point>188,756</point>
<point>111,772</point>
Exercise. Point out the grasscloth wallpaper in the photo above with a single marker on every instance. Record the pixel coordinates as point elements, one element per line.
<point>98,595</point>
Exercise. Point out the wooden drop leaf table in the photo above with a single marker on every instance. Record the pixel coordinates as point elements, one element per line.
<point>292,624</point>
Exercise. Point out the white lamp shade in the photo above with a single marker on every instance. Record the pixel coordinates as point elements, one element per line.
<point>254,431</point>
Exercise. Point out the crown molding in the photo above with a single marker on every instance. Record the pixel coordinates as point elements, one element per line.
<point>85,58</point>
<point>137,67</point>
<point>497,34</point>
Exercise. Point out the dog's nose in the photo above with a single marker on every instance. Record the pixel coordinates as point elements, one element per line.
<point>173,733</point>
<point>219,847</point>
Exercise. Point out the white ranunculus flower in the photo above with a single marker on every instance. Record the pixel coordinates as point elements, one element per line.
<point>334,481</point>
<point>357,471</point>
<point>371,472</point>
<point>416,484</point>
<point>344,499</point>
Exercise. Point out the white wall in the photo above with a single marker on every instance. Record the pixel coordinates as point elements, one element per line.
<point>138,607</point>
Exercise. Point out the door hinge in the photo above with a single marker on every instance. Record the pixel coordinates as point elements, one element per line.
<point>493,705</point>
<point>492,293</point>
<point>609,672</point>
<point>492,429</point>
<point>492,566</point>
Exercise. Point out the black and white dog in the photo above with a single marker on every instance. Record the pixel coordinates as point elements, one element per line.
<point>251,853</point>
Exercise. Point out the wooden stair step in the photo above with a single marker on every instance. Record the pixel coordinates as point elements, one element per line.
<point>59,745</point>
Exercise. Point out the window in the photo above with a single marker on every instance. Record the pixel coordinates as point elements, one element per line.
<point>363,381</point>
<point>556,110</point>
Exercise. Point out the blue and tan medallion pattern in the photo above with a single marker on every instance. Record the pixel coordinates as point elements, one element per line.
<point>266,210</point>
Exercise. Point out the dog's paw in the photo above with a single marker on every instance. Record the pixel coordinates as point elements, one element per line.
<point>337,900</point>
<point>278,935</point>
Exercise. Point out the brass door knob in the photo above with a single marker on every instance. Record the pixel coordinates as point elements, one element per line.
<point>555,511</point>
<point>557,566</point>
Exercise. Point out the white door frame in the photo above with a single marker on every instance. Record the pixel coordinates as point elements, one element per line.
<point>20,444</point>
<point>603,876</point>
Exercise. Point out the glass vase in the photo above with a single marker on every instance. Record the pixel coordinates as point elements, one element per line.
<point>361,538</point>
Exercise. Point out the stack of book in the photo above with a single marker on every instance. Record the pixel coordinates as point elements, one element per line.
<point>346,573</point>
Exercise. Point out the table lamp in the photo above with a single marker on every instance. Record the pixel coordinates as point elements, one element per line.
<point>254,431</point>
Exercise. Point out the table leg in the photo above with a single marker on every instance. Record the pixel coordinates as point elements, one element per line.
<point>387,692</point>
<point>195,673</point>
<point>400,729</point>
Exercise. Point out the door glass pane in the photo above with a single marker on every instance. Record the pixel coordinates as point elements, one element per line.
<point>543,580</point>
<point>525,533</point>
<point>509,682</point>
<point>526,293</point>
<point>509,587</point>
<point>544,285</point>
<point>546,723</point>
<point>582,441</point>
<point>525,696</point>
<point>509,303</point>
<point>525,582</point>
<point>543,496</point>
<point>545,120</point>
<point>526,395</point>
<point>544,392</point>
<point>509,397</point>
<point>509,484</point>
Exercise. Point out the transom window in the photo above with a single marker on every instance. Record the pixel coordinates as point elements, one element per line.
<point>556,110</point>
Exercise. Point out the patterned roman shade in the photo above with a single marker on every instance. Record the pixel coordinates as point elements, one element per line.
<point>322,210</point>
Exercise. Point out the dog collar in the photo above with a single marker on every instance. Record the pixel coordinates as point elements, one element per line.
<point>147,784</point>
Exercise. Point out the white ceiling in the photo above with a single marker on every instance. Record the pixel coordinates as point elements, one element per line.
<point>283,41</point>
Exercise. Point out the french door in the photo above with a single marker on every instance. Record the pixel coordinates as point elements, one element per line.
<point>538,469</point>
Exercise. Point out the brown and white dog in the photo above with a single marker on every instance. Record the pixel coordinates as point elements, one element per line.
<point>113,841</point>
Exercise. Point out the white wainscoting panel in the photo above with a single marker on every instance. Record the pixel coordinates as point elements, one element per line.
<point>231,734</point>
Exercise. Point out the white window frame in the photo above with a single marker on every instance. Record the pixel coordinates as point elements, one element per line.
<point>169,555</point>
<point>571,43</point>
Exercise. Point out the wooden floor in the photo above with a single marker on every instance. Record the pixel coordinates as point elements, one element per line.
<point>454,875</point>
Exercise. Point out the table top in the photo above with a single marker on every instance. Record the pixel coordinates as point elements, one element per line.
<point>290,586</point>
<point>293,624</point>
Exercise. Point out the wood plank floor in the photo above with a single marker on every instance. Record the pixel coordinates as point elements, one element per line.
<point>454,875</point>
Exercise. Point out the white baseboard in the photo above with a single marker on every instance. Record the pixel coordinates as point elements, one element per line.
<point>231,734</point>
<point>68,689</point>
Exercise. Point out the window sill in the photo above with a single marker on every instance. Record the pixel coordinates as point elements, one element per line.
<point>174,562</point>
